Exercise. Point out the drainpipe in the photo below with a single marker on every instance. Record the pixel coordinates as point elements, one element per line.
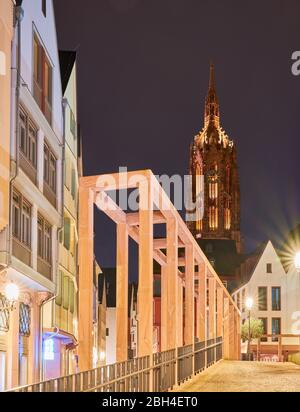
<point>18,16</point>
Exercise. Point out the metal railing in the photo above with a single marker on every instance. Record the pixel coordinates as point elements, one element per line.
<point>168,369</point>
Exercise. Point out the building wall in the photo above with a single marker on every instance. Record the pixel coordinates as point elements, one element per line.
<point>6,33</point>
<point>35,277</point>
<point>64,307</point>
<point>290,297</point>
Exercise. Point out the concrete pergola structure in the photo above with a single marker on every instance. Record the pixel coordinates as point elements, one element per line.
<point>199,278</point>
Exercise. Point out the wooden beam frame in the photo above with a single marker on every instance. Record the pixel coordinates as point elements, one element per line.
<point>139,226</point>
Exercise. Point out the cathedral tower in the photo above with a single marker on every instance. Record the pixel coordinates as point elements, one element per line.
<point>213,155</point>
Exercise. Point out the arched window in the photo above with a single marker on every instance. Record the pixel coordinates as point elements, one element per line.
<point>213,183</point>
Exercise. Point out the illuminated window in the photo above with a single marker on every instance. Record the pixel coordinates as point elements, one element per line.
<point>42,79</point>
<point>44,239</point>
<point>227,215</point>
<point>276,328</point>
<point>21,219</point>
<point>49,168</point>
<point>213,217</point>
<point>262,298</point>
<point>28,138</point>
<point>213,183</point>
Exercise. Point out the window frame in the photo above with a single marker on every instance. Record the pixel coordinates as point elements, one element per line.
<point>276,307</point>
<point>269,268</point>
<point>42,78</point>
<point>22,235</point>
<point>264,319</point>
<point>44,240</point>
<point>50,168</point>
<point>275,339</point>
<point>30,137</point>
<point>260,307</point>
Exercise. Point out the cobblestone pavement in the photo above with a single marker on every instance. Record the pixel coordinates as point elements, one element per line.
<point>234,376</point>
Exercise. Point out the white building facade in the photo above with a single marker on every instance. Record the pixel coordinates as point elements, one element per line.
<point>276,301</point>
<point>30,257</point>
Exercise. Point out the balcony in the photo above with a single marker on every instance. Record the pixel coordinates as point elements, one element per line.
<point>28,168</point>
<point>50,195</point>
<point>21,251</point>
<point>44,268</point>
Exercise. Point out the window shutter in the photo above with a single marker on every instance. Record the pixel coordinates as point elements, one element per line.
<point>58,299</point>
<point>72,290</point>
<point>66,293</point>
<point>67,232</point>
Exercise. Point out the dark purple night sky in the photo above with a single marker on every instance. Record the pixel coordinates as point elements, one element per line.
<point>142,79</point>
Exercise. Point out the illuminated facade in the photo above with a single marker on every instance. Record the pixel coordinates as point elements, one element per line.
<point>213,155</point>
<point>276,301</point>
<point>6,34</point>
<point>64,319</point>
<point>29,244</point>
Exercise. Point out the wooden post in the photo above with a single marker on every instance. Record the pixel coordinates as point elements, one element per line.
<point>280,348</point>
<point>164,308</point>
<point>172,283</point>
<point>237,335</point>
<point>226,328</point>
<point>179,313</point>
<point>86,267</point>
<point>232,329</point>
<point>189,296</point>
<point>212,307</point>
<point>122,293</point>
<point>202,303</point>
<point>220,311</point>
<point>145,289</point>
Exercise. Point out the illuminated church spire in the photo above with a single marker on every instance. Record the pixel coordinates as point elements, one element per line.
<point>212,113</point>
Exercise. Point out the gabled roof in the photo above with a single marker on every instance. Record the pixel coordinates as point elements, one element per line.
<point>250,264</point>
<point>67,60</point>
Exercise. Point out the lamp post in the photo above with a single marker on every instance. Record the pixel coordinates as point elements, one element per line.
<point>249,305</point>
<point>297,261</point>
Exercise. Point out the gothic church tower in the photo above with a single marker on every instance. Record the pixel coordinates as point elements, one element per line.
<point>213,155</point>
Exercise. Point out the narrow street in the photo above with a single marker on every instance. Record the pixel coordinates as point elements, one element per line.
<point>235,376</point>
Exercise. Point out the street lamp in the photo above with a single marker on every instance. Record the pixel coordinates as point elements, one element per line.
<point>249,305</point>
<point>297,261</point>
<point>11,292</point>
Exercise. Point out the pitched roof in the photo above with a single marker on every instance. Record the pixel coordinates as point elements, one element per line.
<point>66,60</point>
